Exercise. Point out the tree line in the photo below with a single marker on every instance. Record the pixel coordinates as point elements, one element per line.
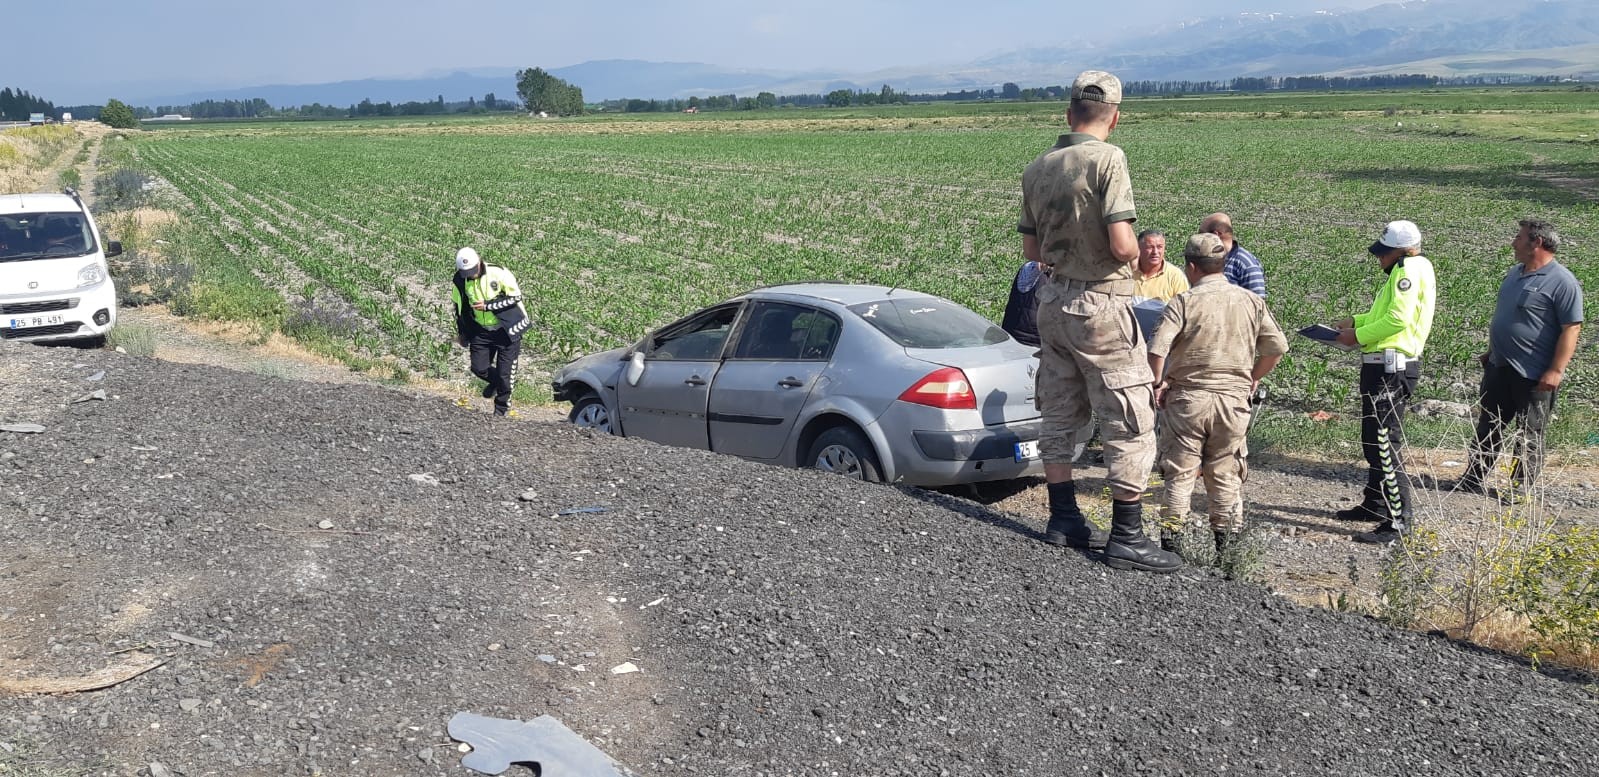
<point>541,92</point>
<point>844,98</point>
<point>17,104</point>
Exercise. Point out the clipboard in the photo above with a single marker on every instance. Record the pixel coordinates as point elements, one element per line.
<point>1325,334</point>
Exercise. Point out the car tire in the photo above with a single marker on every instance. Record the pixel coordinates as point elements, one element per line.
<point>590,412</point>
<point>845,451</point>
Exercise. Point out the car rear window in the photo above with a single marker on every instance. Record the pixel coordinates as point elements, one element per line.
<point>925,322</point>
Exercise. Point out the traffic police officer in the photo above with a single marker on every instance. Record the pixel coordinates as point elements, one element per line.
<point>1077,217</point>
<point>489,321</point>
<point>1391,337</point>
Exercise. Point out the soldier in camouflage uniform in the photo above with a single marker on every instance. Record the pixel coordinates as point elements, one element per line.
<point>1214,344</point>
<point>1077,217</point>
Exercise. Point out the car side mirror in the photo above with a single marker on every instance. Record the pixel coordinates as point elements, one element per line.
<point>113,248</point>
<point>635,368</point>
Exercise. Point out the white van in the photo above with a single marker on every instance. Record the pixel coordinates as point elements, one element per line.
<point>54,284</point>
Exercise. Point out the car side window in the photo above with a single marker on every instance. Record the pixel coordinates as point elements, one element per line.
<point>699,338</point>
<point>779,331</point>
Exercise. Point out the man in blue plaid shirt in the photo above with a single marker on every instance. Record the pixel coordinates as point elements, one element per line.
<point>1243,269</point>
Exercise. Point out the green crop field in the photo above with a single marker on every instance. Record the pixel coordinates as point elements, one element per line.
<point>344,231</point>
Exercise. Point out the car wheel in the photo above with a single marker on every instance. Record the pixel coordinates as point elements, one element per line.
<point>843,450</point>
<point>590,412</point>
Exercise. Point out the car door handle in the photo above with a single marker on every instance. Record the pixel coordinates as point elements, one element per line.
<point>791,382</point>
<point>695,380</point>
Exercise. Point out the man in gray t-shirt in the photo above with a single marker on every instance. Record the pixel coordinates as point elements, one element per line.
<point>1530,343</point>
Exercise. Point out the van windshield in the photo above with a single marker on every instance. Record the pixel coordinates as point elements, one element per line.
<point>26,236</point>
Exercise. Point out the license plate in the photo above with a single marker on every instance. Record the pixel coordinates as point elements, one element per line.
<point>37,321</point>
<point>1027,451</point>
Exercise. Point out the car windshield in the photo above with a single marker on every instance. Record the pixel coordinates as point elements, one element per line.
<point>25,236</point>
<point>929,322</point>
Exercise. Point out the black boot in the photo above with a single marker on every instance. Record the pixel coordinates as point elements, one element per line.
<point>1387,533</point>
<point>1373,507</point>
<point>1368,510</point>
<point>1224,539</point>
<point>1067,526</point>
<point>1171,541</point>
<point>1129,548</point>
<point>1391,531</point>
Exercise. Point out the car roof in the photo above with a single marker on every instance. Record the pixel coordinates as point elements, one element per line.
<point>39,202</point>
<point>845,294</point>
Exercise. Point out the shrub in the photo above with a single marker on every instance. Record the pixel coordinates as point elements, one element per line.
<point>121,189</point>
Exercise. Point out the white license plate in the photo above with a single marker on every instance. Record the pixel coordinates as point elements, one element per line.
<point>36,321</point>
<point>1027,451</point>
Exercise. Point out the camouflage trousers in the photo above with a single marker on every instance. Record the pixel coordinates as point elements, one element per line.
<point>1092,364</point>
<point>1204,429</point>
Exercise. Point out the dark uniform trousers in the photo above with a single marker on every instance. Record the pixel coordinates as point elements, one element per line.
<point>1383,399</point>
<point>1507,397</point>
<point>494,354</point>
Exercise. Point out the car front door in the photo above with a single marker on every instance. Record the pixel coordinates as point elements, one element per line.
<point>781,352</point>
<point>669,401</point>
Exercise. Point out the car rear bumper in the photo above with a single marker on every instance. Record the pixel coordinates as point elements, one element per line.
<point>945,457</point>
<point>75,315</point>
<point>995,442</point>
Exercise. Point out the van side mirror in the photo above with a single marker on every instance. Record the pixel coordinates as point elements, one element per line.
<point>113,248</point>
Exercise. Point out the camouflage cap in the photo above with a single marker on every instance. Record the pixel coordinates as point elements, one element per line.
<point>1109,86</point>
<point>1204,246</point>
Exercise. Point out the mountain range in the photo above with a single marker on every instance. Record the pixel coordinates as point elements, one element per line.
<point>1435,37</point>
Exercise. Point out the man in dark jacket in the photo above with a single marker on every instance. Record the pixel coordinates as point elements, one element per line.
<point>1021,309</point>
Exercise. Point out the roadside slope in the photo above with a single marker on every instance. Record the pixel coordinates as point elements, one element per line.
<point>785,622</point>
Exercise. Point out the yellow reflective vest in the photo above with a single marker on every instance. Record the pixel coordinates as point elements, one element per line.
<point>1401,316</point>
<point>497,289</point>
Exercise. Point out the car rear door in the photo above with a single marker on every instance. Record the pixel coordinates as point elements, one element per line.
<point>780,355</point>
<point>668,403</point>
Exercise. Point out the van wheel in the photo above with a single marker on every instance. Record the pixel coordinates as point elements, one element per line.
<point>843,450</point>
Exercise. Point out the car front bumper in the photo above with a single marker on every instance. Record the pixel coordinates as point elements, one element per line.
<point>79,314</point>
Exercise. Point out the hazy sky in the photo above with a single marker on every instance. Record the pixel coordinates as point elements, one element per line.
<point>89,50</point>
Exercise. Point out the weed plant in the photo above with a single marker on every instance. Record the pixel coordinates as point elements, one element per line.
<point>132,338</point>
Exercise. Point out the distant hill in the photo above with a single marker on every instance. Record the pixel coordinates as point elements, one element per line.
<point>1439,37</point>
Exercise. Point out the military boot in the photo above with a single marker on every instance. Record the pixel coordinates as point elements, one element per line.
<point>1067,525</point>
<point>1129,548</point>
<point>1224,540</point>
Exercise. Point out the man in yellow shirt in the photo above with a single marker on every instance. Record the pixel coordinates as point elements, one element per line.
<point>1391,336</point>
<point>1155,277</point>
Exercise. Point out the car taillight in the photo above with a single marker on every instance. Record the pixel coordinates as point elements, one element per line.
<point>945,388</point>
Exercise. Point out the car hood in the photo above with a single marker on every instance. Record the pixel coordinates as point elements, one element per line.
<point>603,365</point>
<point>41,276</point>
<point>1002,375</point>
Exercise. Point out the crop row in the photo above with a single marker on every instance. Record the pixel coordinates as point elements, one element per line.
<point>613,233</point>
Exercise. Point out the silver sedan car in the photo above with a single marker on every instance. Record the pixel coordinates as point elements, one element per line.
<point>877,383</point>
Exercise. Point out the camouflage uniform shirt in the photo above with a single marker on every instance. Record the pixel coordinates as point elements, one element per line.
<point>1079,170</point>
<point>1212,334</point>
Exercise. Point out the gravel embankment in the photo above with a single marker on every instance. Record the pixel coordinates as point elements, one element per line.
<point>784,622</point>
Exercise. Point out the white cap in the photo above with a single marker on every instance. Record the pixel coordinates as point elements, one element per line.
<point>466,259</point>
<point>1399,234</point>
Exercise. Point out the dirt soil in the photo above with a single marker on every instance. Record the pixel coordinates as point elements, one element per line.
<point>326,572</point>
